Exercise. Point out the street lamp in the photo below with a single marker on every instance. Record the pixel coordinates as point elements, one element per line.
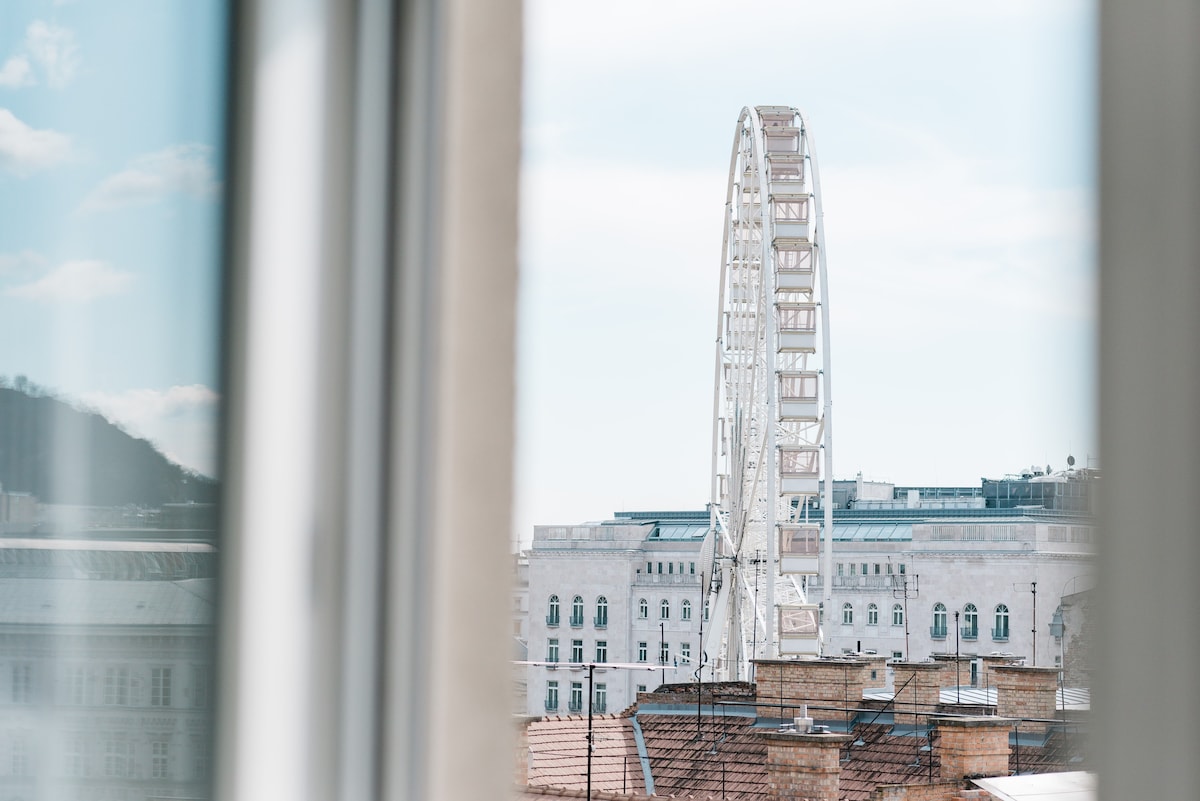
<point>957,682</point>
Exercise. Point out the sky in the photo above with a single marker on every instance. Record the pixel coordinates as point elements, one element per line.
<point>111,126</point>
<point>956,147</point>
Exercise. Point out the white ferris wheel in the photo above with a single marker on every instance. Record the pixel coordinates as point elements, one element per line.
<point>772,451</point>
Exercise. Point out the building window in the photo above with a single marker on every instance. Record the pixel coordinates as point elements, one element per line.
<point>601,650</point>
<point>685,651</point>
<point>872,615</point>
<point>841,569</point>
<point>116,759</point>
<point>897,655</point>
<point>116,686</point>
<point>577,651</point>
<point>77,685</point>
<point>600,702</point>
<point>854,568</point>
<point>20,756</point>
<point>643,608</point>
<point>691,568</point>
<point>902,568</point>
<point>897,615</point>
<point>938,630</point>
<point>552,649</point>
<point>199,686</point>
<point>577,611</point>
<point>847,614</point>
<point>681,568</point>
<point>73,758</point>
<point>22,684</point>
<point>158,760</point>
<point>551,696</point>
<point>552,611</point>
<point>664,609</point>
<point>601,612</point>
<point>660,568</point>
<point>642,652</point>
<point>641,688</point>
<point>685,610</point>
<point>670,568</point>
<point>970,627</point>
<point>1000,630</point>
<point>664,652</point>
<point>649,568</point>
<point>575,703</point>
<point>160,687</point>
<point>876,567</point>
<point>864,568</point>
<point>889,568</point>
<point>200,754</point>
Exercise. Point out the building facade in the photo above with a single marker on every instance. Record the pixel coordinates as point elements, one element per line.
<point>625,590</point>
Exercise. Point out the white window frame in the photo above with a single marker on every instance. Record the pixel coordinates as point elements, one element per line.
<point>664,609</point>
<point>872,614</point>
<point>685,610</point>
<point>897,615</point>
<point>847,614</point>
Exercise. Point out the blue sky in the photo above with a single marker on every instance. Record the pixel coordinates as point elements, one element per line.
<point>956,146</point>
<point>111,133</point>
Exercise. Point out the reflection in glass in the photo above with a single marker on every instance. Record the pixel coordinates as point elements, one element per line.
<point>111,133</point>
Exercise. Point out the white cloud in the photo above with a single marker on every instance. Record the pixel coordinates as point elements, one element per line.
<point>184,169</point>
<point>180,420</point>
<point>17,72</point>
<point>24,149</point>
<point>74,282</point>
<point>53,49</point>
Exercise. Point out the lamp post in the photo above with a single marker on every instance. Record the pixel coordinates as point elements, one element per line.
<point>662,649</point>
<point>957,681</point>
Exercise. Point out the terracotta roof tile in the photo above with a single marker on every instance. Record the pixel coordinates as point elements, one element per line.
<point>558,754</point>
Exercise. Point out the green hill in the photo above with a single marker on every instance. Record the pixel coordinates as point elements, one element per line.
<point>64,455</point>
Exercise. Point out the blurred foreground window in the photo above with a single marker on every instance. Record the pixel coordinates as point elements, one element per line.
<point>112,123</point>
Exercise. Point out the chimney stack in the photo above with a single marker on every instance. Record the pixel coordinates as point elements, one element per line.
<point>803,766</point>
<point>1026,692</point>
<point>973,747</point>
<point>782,685</point>
<point>918,691</point>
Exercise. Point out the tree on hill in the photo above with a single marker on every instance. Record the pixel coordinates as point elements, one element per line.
<point>65,455</point>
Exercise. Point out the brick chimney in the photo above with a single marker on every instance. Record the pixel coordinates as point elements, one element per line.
<point>521,768</point>
<point>975,746</point>
<point>803,766</point>
<point>988,663</point>
<point>918,690</point>
<point>784,684</point>
<point>1026,692</point>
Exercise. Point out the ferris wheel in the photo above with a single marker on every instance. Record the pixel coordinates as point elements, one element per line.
<point>772,438</point>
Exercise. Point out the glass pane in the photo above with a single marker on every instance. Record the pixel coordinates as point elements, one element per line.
<point>112,120</point>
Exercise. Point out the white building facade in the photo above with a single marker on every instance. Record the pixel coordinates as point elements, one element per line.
<point>625,591</point>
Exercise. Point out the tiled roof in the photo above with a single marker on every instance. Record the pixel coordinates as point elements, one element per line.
<point>727,760</point>
<point>884,758</point>
<point>558,754</point>
<point>725,757</point>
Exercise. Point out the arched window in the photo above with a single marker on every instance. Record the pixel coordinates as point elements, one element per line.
<point>577,611</point>
<point>847,614</point>
<point>872,615</point>
<point>552,611</point>
<point>938,630</point>
<point>970,622</point>
<point>685,610</point>
<point>897,615</point>
<point>601,613</point>
<point>1000,630</point>
<point>643,608</point>
<point>664,609</point>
